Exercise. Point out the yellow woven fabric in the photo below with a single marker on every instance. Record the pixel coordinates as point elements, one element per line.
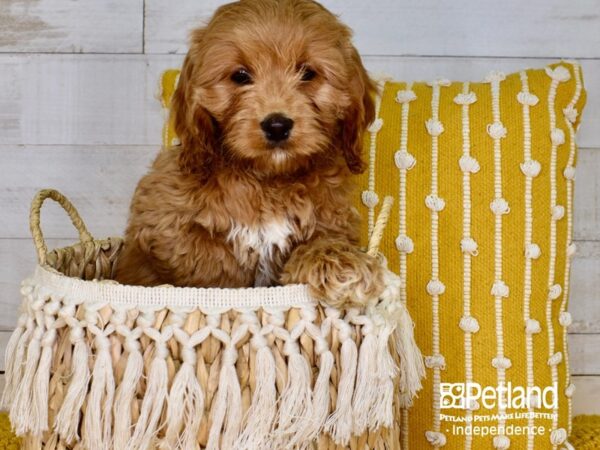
<point>8,441</point>
<point>476,165</point>
<point>586,433</point>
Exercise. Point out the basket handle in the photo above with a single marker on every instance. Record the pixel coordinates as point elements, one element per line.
<point>382,220</point>
<point>34,220</point>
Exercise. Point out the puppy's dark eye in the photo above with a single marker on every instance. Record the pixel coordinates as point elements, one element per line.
<point>241,76</point>
<point>308,73</point>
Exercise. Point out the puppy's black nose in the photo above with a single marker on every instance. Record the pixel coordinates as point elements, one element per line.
<point>277,127</point>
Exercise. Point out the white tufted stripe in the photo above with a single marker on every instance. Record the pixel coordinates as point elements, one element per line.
<point>501,442</point>
<point>532,326</point>
<point>527,98</point>
<point>565,319</point>
<point>532,251</point>
<point>468,164</point>
<point>469,324</point>
<point>370,198</point>
<point>558,436</point>
<point>404,244</point>
<point>435,287</point>
<point>434,127</point>
<point>435,203</point>
<point>559,73</point>
<point>435,438</point>
<point>531,168</point>
<point>465,98</point>
<point>405,96</point>
<point>496,130</point>
<point>404,160</point>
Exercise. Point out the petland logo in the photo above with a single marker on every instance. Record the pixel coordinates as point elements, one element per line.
<point>473,396</point>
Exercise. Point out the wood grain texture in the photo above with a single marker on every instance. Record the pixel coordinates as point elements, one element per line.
<point>66,26</point>
<point>540,28</point>
<point>4,337</point>
<point>584,296</point>
<point>587,395</point>
<point>80,99</point>
<point>99,180</point>
<point>110,99</point>
<point>583,351</point>
<point>587,195</point>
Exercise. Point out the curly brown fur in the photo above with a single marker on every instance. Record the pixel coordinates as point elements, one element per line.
<point>231,208</point>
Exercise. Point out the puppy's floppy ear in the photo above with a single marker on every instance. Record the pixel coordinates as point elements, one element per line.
<point>359,114</point>
<point>193,124</point>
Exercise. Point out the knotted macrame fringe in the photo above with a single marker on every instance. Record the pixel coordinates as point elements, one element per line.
<point>185,409</point>
<point>295,401</point>
<point>366,379</point>
<point>227,409</point>
<point>39,418</point>
<point>339,424</point>
<point>186,399</point>
<point>262,411</point>
<point>380,411</point>
<point>67,420</point>
<point>172,400</point>
<point>126,391</point>
<point>13,359</point>
<point>411,366</point>
<point>97,421</point>
<point>321,397</point>
<point>21,410</point>
<point>151,410</point>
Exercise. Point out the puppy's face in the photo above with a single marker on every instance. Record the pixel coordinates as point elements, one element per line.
<point>271,85</point>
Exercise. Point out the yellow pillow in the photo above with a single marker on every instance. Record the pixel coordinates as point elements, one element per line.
<point>482,236</point>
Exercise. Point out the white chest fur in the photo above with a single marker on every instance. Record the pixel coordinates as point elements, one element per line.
<point>262,240</point>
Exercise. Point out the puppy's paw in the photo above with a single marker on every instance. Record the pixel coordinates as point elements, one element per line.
<point>336,272</point>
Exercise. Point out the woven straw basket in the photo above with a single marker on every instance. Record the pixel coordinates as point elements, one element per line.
<point>97,365</point>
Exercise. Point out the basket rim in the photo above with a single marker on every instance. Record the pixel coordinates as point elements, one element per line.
<point>99,293</point>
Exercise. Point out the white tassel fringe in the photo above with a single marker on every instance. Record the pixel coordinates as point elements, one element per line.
<point>39,418</point>
<point>412,367</point>
<point>262,411</point>
<point>21,410</point>
<point>227,407</point>
<point>66,423</point>
<point>339,424</point>
<point>97,422</point>
<point>295,401</point>
<point>126,393</point>
<point>13,359</point>
<point>185,406</point>
<point>321,397</point>
<point>366,380</point>
<point>155,396</point>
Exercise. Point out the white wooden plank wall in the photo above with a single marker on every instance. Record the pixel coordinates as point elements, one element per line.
<point>78,81</point>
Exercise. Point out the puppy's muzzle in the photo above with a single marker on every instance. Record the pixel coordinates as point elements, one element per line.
<point>277,127</point>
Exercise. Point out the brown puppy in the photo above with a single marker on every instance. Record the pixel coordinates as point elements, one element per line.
<point>270,107</point>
